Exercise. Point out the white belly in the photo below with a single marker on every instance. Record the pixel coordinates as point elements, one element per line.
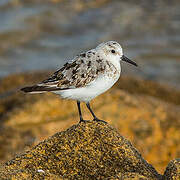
<point>95,88</point>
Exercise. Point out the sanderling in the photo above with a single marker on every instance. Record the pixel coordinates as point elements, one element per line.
<point>86,76</point>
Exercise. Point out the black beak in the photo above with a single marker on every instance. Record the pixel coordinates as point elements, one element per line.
<point>124,58</point>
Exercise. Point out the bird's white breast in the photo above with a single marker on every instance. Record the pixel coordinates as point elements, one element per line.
<point>93,89</point>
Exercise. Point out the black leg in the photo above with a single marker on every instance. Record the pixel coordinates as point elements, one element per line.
<point>79,110</point>
<point>94,116</point>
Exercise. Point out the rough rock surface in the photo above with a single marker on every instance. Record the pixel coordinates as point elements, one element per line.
<point>144,112</point>
<point>173,170</point>
<point>88,150</point>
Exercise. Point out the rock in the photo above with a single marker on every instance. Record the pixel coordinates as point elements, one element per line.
<point>87,150</point>
<point>144,112</point>
<point>173,170</point>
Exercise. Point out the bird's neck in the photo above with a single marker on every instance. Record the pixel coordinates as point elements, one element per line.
<point>116,63</point>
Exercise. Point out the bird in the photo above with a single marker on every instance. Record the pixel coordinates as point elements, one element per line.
<point>86,76</point>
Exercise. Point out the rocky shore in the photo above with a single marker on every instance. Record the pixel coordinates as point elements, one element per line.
<point>144,112</point>
<point>90,150</point>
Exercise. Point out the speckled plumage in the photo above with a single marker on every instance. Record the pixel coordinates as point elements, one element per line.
<point>88,75</point>
<point>82,70</point>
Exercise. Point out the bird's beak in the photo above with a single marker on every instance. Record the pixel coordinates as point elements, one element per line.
<point>124,58</point>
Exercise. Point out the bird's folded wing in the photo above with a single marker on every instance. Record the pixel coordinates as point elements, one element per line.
<point>75,74</point>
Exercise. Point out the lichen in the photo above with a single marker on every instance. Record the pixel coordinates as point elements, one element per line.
<point>87,150</point>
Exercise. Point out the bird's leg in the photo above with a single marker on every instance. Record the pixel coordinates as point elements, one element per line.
<point>94,116</point>
<point>79,110</point>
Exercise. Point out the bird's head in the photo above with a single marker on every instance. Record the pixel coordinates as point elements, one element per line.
<point>112,50</point>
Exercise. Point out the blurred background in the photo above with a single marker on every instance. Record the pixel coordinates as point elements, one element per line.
<point>39,36</point>
<point>43,34</point>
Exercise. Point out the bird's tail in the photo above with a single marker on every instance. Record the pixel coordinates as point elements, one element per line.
<point>34,89</point>
<point>40,89</point>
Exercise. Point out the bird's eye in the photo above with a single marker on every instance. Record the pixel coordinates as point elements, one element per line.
<point>113,51</point>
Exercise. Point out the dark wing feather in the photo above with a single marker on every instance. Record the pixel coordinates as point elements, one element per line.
<point>83,69</point>
<point>37,88</point>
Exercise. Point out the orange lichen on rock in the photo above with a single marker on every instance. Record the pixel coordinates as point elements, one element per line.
<point>87,150</point>
<point>150,121</point>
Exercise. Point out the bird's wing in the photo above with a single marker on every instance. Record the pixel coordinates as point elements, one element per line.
<point>77,73</point>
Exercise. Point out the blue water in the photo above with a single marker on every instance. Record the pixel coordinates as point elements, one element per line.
<point>39,35</point>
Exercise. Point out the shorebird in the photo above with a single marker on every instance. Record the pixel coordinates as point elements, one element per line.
<point>88,75</point>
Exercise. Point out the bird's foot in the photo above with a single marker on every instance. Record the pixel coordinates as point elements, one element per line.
<point>99,120</point>
<point>82,121</point>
